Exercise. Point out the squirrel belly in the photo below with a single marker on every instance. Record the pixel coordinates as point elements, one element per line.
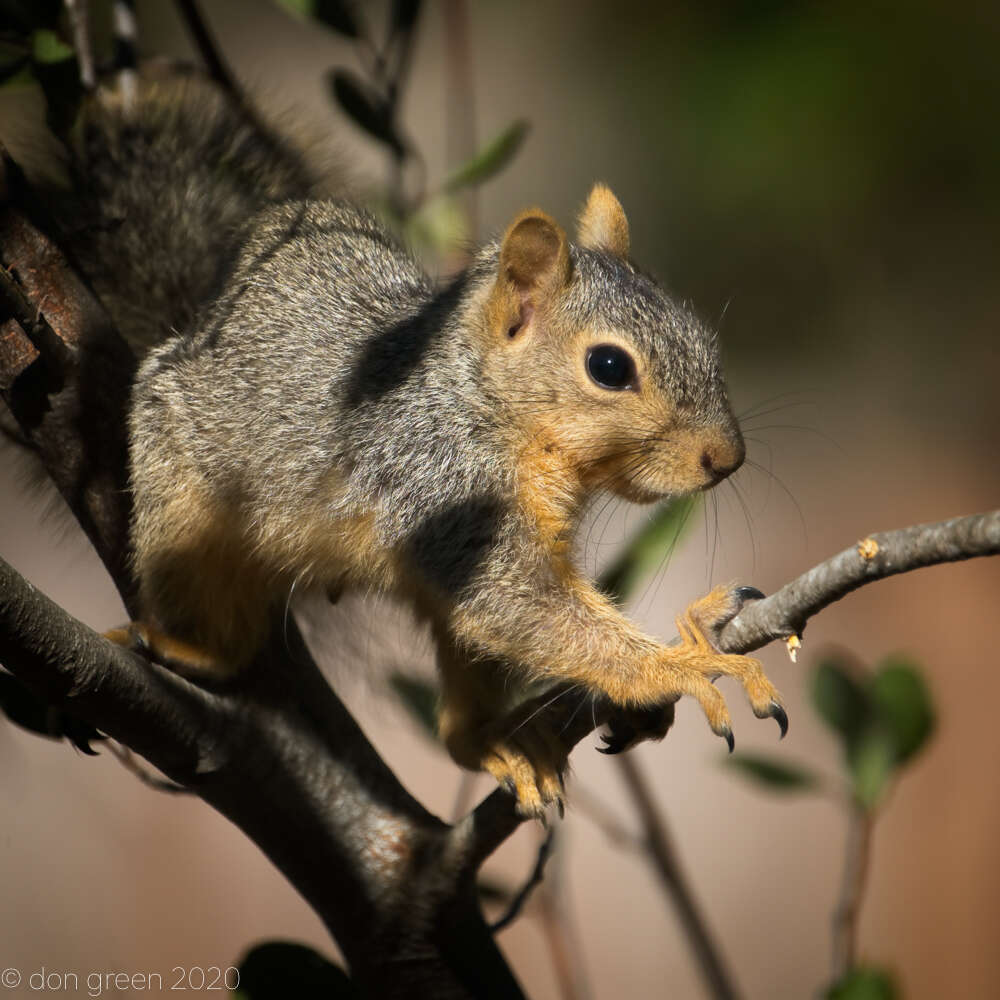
<point>324,416</point>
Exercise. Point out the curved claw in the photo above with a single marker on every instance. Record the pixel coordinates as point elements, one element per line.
<point>615,744</point>
<point>780,716</point>
<point>750,594</point>
<point>727,735</point>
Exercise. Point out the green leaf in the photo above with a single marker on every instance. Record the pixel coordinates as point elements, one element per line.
<point>864,984</point>
<point>335,14</point>
<point>871,760</point>
<point>368,110</point>
<point>775,774</point>
<point>904,706</point>
<point>275,970</point>
<point>646,550</point>
<point>420,698</point>
<point>491,159</point>
<point>48,47</point>
<point>842,702</point>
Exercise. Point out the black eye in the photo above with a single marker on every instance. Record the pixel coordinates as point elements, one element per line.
<point>611,367</point>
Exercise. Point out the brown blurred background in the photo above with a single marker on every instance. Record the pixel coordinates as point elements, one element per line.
<point>823,183</point>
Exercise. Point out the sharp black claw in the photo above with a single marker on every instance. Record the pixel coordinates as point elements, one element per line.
<point>561,806</point>
<point>727,735</point>
<point>781,717</point>
<point>750,594</point>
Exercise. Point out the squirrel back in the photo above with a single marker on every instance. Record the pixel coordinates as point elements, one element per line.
<point>160,196</point>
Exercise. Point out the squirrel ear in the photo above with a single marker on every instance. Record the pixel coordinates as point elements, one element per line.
<point>602,224</point>
<point>534,254</point>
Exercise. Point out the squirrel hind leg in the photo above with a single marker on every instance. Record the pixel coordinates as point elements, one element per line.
<point>196,663</point>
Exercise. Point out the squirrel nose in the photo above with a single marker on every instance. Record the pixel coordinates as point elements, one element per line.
<point>722,460</point>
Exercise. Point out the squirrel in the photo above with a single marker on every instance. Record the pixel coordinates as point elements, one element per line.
<point>312,411</point>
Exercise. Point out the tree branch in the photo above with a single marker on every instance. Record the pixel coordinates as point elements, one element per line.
<point>886,553</point>
<point>845,917</point>
<point>664,858</point>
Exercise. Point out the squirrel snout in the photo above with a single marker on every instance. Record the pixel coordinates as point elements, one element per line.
<point>722,458</point>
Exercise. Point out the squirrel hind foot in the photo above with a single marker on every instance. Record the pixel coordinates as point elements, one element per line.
<point>194,662</point>
<point>524,755</point>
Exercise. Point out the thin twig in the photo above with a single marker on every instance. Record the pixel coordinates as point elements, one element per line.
<point>79,26</point>
<point>564,946</point>
<point>127,759</point>
<point>845,916</point>
<point>589,805</point>
<point>883,554</point>
<point>208,50</point>
<point>463,797</point>
<point>537,874</point>
<point>664,858</point>
<point>461,114</point>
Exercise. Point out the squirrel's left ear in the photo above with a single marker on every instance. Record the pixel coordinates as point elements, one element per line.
<point>602,224</point>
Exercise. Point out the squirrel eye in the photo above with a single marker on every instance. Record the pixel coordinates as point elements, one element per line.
<point>611,367</point>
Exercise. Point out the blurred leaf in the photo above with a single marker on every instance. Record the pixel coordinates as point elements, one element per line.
<point>646,550</point>
<point>841,701</point>
<point>904,706</point>
<point>404,15</point>
<point>26,709</point>
<point>491,891</point>
<point>48,47</point>
<point>420,698</point>
<point>775,774</point>
<point>335,14</point>
<point>368,110</point>
<point>275,970</point>
<point>439,224</point>
<point>864,984</point>
<point>882,719</point>
<point>871,760</point>
<point>24,16</point>
<point>491,159</point>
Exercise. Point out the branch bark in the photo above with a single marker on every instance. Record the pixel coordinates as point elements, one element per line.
<point>887,553</point>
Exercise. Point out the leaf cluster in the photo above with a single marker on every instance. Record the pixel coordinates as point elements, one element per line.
<point>34,50</point>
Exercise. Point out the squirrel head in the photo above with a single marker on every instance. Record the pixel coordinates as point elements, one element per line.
<point>591,357</point>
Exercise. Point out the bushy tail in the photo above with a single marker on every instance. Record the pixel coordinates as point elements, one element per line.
<point>159,197</point>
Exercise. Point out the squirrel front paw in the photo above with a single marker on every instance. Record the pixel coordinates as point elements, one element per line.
<point>698,661</point>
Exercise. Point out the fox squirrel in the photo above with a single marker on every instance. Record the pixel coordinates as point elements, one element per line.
<point>311,411</point>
